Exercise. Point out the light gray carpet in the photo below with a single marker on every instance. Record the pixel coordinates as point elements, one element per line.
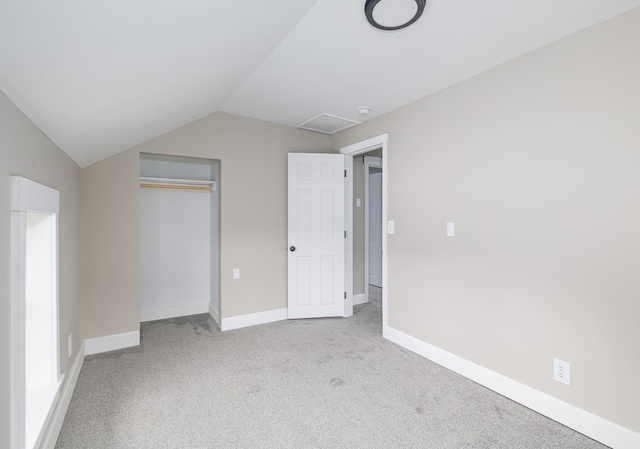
<point>375,296</point>
<point>323,383</point>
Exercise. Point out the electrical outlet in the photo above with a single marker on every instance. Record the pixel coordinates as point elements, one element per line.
<point>562,371</point>
<point>70,344</point>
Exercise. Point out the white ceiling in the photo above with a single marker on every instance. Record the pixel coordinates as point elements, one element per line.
<point>100,76</point>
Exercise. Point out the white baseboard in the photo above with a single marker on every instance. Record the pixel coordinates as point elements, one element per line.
<point>173,311</point>
<point>252,319</point>
<point>214,314</point>
<point>55,424</point>
<point>111,342</point>
<point>593,426</point>
<point>359,299</point>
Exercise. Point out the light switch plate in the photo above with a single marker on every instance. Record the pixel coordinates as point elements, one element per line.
<point>391,227</point>
<point>451,229</point>
<point>236,273</point>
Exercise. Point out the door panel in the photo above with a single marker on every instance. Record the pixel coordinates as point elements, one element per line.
<point>316,235</point>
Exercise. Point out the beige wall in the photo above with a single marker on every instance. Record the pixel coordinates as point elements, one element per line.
<point>537,162</point>
<point>26,151</point>
<point>111,246</point>
<point>253,195</point>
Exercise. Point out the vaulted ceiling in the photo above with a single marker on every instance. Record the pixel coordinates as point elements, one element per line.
<point>101,76</point>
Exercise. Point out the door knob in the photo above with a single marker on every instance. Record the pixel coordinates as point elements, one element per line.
<point>292,249</point>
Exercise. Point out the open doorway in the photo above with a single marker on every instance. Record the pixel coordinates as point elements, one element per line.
<point>366,214</point>
<point>367,228</point>
<point>373,227</point>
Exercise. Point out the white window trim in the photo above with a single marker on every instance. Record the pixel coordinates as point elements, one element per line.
<point>26,196</point>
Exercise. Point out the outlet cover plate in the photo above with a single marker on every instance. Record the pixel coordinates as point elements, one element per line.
<point>562,371</point>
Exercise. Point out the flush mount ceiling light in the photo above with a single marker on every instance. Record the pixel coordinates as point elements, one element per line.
<point>370,5</point>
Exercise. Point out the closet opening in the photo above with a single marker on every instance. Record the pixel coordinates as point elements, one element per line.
<point>179,237</point>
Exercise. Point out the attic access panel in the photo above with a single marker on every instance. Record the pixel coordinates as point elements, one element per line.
<point>327,124</point>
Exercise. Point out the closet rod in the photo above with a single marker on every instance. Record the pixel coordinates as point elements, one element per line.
<point>180,184</point>
<point>174,187</point>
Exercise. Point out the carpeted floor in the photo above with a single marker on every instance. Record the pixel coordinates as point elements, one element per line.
<point>321,383</point>
<point>375,297</point>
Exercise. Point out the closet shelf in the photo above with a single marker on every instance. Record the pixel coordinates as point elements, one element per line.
<point>180,184</point>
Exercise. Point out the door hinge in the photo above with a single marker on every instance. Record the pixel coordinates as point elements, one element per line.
<point>345,295</point>
<point>345,173</point>
<point>345,234</point>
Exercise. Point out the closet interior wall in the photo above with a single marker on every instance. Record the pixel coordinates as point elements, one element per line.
<point>179,239</point>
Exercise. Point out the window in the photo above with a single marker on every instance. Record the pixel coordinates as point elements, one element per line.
<point>35,372</point>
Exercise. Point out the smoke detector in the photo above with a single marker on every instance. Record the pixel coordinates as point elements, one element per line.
<point>364,111</point>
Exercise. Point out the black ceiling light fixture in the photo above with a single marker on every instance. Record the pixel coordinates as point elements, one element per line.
<point>369,6</point>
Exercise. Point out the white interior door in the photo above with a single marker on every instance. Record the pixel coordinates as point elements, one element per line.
<point>375,226</point>
<point>316,228</point>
